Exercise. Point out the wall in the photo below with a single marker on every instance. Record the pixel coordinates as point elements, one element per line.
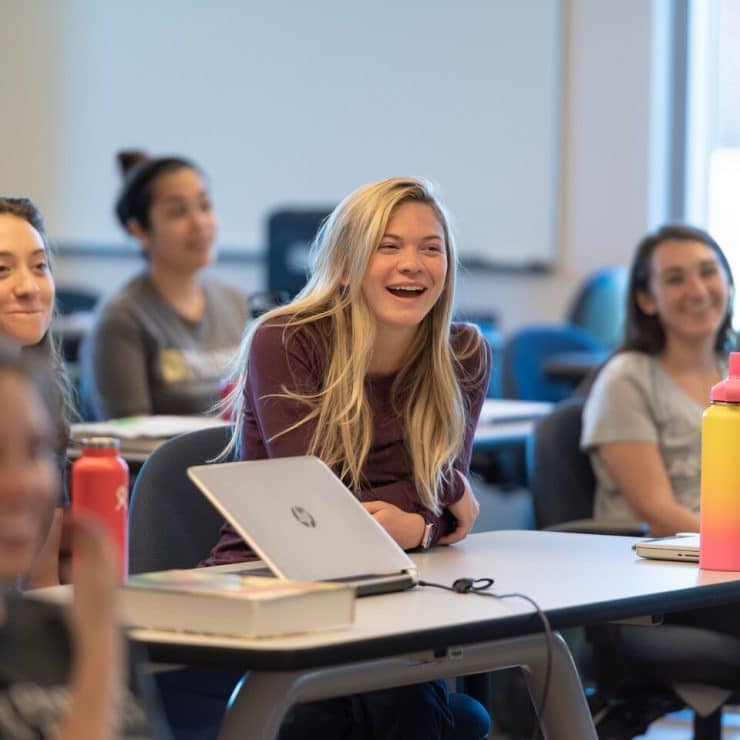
<point>301,102</point>
<point>609,146</point>
<point>611,183</point>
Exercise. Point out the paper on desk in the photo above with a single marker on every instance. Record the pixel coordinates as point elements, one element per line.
<point>138,427</point>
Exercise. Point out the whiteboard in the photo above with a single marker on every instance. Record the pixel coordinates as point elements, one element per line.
<point>292,104</point>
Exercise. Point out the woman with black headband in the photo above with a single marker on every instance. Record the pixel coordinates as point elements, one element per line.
<point>160,345</point>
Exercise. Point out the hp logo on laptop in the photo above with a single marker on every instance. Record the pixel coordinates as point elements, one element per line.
<point>303,516</point>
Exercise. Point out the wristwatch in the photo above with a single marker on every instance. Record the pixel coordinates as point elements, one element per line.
<point>429,529</point>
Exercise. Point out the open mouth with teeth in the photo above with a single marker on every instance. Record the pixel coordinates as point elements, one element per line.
<point>406,291</point>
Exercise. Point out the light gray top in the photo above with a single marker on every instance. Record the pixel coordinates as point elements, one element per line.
<point>143,357</point>
<point>635,400</point>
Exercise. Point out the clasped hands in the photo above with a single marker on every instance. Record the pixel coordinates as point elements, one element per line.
<point>407,528</point>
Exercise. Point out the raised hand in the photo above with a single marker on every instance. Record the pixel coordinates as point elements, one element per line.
<point>97,664</point>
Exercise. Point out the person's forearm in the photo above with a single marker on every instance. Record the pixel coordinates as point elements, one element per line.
<point>667,519</point>
<point>411,535</point>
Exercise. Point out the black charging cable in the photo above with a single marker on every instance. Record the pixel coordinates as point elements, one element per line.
<point>480,586</point>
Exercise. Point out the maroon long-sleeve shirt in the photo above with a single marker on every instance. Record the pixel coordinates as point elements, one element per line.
<point>295,360</point>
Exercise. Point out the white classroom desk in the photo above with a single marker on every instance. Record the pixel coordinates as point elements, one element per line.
<point>504,422</point>
<point>426,633</point>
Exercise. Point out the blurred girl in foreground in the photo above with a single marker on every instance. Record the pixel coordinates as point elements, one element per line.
<point>59,677</point>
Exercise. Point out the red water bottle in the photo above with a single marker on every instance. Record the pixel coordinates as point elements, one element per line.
<point>100,490</point>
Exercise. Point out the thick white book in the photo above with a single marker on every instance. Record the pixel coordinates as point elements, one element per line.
<point>231,604</point>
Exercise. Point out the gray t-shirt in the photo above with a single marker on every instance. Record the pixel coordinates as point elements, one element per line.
<point>635,400</point>
<point>143,357</point>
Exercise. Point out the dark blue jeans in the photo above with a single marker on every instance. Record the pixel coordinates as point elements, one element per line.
<point>195,699</point>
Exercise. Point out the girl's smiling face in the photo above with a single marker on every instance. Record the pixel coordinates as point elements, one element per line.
<point>688,290</point>
<point>406,274</point>
<point>26,284</point>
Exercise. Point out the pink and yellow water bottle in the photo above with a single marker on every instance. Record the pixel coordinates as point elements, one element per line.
<point>719,547</point>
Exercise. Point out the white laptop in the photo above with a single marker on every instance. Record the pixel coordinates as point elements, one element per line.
<point>682,546</point>
<point>305,523</point>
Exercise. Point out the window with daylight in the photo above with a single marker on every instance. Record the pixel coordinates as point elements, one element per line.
<point>713,125</point>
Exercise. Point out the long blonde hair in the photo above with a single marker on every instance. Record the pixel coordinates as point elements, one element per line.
<point>425,392</point>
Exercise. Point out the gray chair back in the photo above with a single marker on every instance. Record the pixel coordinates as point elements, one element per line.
<point>560,475</point>
<point>171,524</point>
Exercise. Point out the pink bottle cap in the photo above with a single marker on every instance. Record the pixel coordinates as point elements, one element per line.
<point>728,390</point>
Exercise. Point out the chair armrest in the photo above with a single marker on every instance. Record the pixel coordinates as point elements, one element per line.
<point>601,526</point>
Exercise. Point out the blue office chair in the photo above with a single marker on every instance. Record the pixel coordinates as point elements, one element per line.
<point>171,524</point>
<point>599,306</point>
<point>289,236</point>
<point>639,672</point>
<point>488,323</point>
<point>70,299</point>
<point>526,352</point>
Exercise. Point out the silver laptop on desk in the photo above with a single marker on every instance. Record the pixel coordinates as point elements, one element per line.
<point>682,546</point>
<point>305,523</point>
